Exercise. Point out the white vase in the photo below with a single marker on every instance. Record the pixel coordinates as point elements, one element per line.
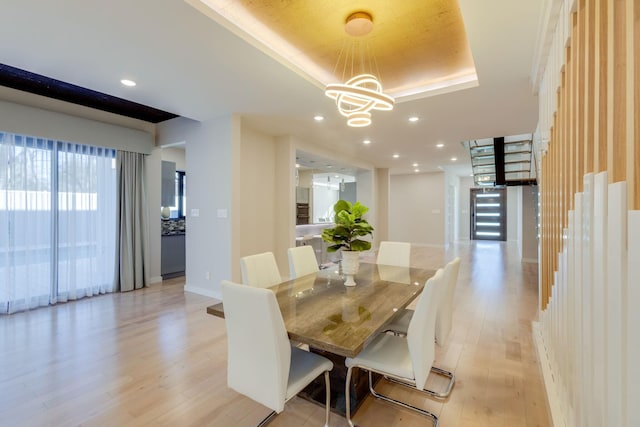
<point>350,266</point>
<point>165,212</point>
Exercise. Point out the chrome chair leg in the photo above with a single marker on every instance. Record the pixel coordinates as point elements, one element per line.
<point>327,403</point>
<point>424,412</point>
<point>267,419</point>
<point>438,371</point>
<point>347,397</point>
<point>447,374</point>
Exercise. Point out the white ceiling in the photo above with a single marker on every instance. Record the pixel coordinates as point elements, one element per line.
<point>187,64</point>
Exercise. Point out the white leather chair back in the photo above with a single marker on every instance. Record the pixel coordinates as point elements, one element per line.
<point>259,353</point>
<point>421,333</point>
<point>444,318</point>
<point>260,271</point>
<point>302,261</point>
<point>394,253</point>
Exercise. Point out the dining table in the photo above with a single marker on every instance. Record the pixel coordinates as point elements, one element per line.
<point>338,321</point>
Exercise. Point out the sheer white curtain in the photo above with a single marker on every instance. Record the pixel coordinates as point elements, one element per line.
<point>86,219</point>
<point>57,221</point>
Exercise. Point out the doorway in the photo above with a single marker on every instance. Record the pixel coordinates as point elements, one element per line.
<point>488,214</point>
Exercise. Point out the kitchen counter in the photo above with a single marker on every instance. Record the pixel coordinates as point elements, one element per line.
<point>173,227</point>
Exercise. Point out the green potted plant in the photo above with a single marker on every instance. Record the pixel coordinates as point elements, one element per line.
<point>350,226</point>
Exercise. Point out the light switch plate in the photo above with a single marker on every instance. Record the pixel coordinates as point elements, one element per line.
<point>222,213</point>
<point>195,212</point>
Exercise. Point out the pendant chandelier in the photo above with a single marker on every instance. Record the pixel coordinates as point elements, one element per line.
<point>361,91</point>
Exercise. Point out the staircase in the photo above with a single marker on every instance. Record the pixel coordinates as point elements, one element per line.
<point>507,160</point>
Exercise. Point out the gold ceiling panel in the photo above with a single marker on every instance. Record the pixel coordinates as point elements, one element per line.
<point>415,43</point>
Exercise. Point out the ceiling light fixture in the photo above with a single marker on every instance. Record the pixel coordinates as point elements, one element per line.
<point>440,145</point>
<point>318,118</point>
<point>128,83</point>
<point>366,141</point>
<point>395,156</point>
<point>415,165</point>
<point>414,119</point>
<point>361,92</point>
<point>453,159</point>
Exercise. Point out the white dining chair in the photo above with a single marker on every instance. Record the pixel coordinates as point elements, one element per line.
<point>261,364</point>
<point>394,253</point>
<point>444,316</point>
<point>260,270</point>
<point>406,360</point>
<point>302,261</point>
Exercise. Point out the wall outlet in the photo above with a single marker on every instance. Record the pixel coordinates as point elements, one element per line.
<point>207,275</point>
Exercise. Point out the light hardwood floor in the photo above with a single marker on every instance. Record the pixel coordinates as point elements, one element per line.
<point>154,357</point>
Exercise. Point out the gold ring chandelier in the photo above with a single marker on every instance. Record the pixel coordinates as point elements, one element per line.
<point>363,92</point>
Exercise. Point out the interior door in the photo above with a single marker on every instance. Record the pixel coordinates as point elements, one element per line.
<point>489,214</point>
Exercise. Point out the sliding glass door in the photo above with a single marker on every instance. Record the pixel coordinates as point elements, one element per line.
<point>57,221</point>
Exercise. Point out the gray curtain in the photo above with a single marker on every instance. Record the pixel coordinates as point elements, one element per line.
<point>132,222</point>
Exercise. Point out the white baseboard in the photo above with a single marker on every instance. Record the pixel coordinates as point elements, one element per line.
<point>530,260</point>
<point>202,291</point>
<point>553,400</point>
<point>153,280</point>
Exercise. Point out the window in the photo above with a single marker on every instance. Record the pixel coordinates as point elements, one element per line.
<point>57,213</point>
<point>180,209</point>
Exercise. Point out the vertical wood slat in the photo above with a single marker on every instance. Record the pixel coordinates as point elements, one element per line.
<point>616,152</point>
<point>591,79</point>
<point>602,98</point>
<point>579,113</point>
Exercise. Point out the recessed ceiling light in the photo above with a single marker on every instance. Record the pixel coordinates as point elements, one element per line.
<point>395,156</point>
<point>453,159</point>
<point>416,170</point>
<point>414,119</point>
<point>366,141</point>
<point>440,145</point>
<point>415,165</point>
<point>127,82</point>
<point>336,176</point>
<point>318,118</point>
<point>297,165</point>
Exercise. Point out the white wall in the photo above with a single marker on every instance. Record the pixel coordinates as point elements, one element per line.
<point>513,213</point>
<point>417,208</point>
<point>464,215</point>
<point>366,185</point>
<point>529,224</point>
<point>257,187</point>
<point>154,190</point>
<point>212,150</point>
<point>175,155</point>
<point>323,200</point>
